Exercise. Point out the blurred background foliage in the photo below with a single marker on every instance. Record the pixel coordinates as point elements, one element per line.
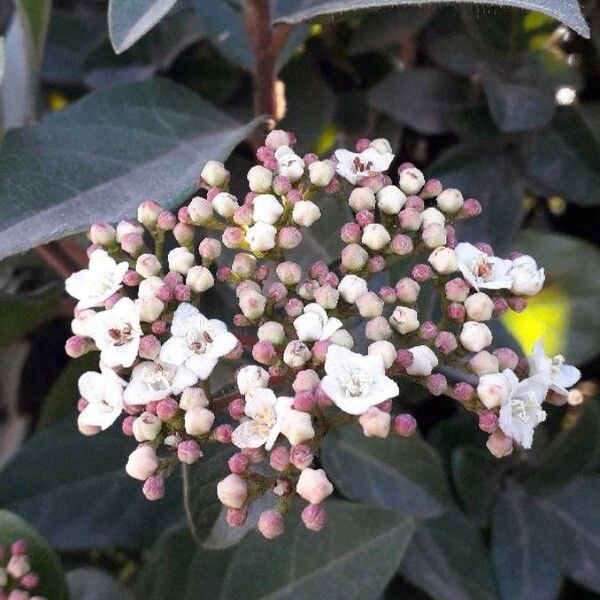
<point>501,102</point>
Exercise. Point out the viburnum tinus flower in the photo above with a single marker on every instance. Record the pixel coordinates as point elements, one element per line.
<point>308,349</point>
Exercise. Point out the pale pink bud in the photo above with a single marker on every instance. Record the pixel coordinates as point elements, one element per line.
<point>301,456</point>
<point>484,363</point>
<point>294,196</point>
<point>128,226</point>
<point>200,210</point>
<point>183,214</point>
<point>149,347</point>
<point>146,427</point>
<point>411,181</point>
<point>445,342</point>
<point>252,304</point>
<point>188,452</point>
<point>436,383</point>
<point>407,290</point>
<point>428,330</point>
<point>493,390</point>
<point>277,138</point>
<point>464,391</point>
<point>471,208</point>
<point>222,433</point>
<point>364,218</point>
<point>260,179</point>
<point>375,423</point>
<point>327,297</point>
<point>232,491</point>
<point>479,307</point>
<point>499,444</point>
<point>276,292</point>
<point>500,306</point>
<point>362,198</point>
<point>18,565</point>
<point>517,304</point>
<point>154,488</point>
<point>369,305</point>
<point>401,245</point>
<point>385,349</point>
<point>29,581</point>
<point>271,332</point>
<point>166,409</point>
<point>375,236</point>
<point>507,358</point>
<point>362,144</point>
<point>289,272</point>
<point>77,346</point>
<point>354,257</point>
<point>215,174</point>
<point>199,279</point>
<point>198,421</point>
<point>158,327</point>
<point>434,235</point>
<point>488,421</point>
<point>238,463</point>
<point>431,189</point>
<point>378,329</point>
<point>404,320</point>
<point>289,238</point>
<point>421,272</point>
<point>314,486</point>
<point>270,524</point>
<point>127,425</point>
<point>166,220</point>
<point>279,458</point>
<point>264,152</point>
<point>142,462</point>
<point>410,219</point>
<point>304,401</point>
<point>282,185</point>
<point>236,517</point>
<point>264,353</point>
<point>182,293</point>
<point>132,243</point>
<point>147,265</point>
<point>376,264</point>
<point>387,294</point>
<point>350,233</point>
<point>294,307</point>
<point>102,234</point>
<point>405,425</point>
<point>314,517</point>
<point>450,201</point>
<point>184,234</point>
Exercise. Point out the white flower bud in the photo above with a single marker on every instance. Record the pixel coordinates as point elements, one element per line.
<point>146,427</point>
<point>321,172</point>
<point>290,165</point>
<point>351,287</point>
<point>484,363</point>
<point>199,279</point>
<point>314,486</point>
<point>390,200</point>
<point>424,361</point>
<point>362,198</point>
<point>479,307</point>
<point>411,181</point>
<point>180,260</point>
<point>297,427</point>
<point>149,287</point>
<point>260,179</point>
<point>475,336</point>
<point>277,138</point>
<point>244,265</point>
<point>214,173</point>
<point>404,320</point>
<point>266,209</point>
<point>261,237</point>
<point>200,210</point>
<point>147,265</point>
<point>142,462</point>
<point>375,236</point>
<point>327,297</point>
<point>198,421</point>
<point>289,273</point>
<point>434,235</point>
<point>493,390</point>
<point>225,204</point>
<point>375,423</point>
<point>252,304</point>
<point>18,565</point>
<point>193,397</point>
<point>296,354</point>
<point>369,305</point>
<point>444,260</point>
<point>251,377</point>
<point>149,308</point>
<point>232,491</point>
<point>450,201</point>
<point>305,213</point>
<point>342,338</point>
<point>271,331</point>
<point>431,216</point>
<point>385,349</point>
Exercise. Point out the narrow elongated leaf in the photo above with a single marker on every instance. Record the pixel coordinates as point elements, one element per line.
<point>447,559</point>
<point>75,491</point>
<point>129,20</point>
<point>403,474</point>
<point>296,11</point>
<point>353,557</point>
<point>97,159</point>
<point>43,560</point>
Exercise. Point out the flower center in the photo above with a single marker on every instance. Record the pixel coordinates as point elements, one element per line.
<point>481,268</point>
<point>556,363</point>
<point>157,378</point>
<point>356,383</point>
<point>121,334</point>
<point>198,341</point>
<point>528,409</point>
<point>263,422</point>
<point>360,166</point>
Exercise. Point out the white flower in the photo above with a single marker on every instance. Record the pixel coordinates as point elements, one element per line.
<point>268,417</point>
<point>290,165</point>
<point>117,333</point>
<point>152,381</point>
<point>355,167</point>
<point>355,382</point>
<point>527,279</point>
<point>557,375</point>
<point>315,325</point>
<point>483,271</point>
<point>266,209</point>
<point>102,278</point>
<point>261,237</point>
<point>104,394</point>
<point>251,377</point>
<point>494,389</point>
<point>522,411</point>
<point>196,342</point>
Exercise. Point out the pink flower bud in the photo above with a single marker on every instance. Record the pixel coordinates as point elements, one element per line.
<point>236,408</point>
<point>289,238</point>
<point>19,548</point>
<point>445,342</point>
<point>364,218</point>
<point>401,244</point>
<point>149,347</point>
<point>428,330</point>
<point>362,144</point>
<point>471,208</point>
<point>166,409</point>
<point>182,293</point>
<point>387,294</point>
<point>154,488</point>
<point>407,290</point>
<point>270,524</point>
<point>236,517</point>
<point>232,491</point>
<point>350,233</point>
<point>132,243</point>
<point>436,383</point>
<point>76,346</point>
<point>147,265</point>
<point>434,235</point>
<point>484,363</point>
<point>183,214</point>
<point>102,234</point>
<point>499,444</point>
<point>158,327</point>
<point>29,581</point>
<point>431,189</point>
<point>276,292</point>
<point>233,237</point>
<point>421,272</point>
<point>304,401</point>
<point>294,307</point>
<point>378,329</point>
<point>376,264</point>
<point>475,336</point>
<point>488,421</point>
<point>127,425</point>
<point>188,452</point>
<point>507,358</point>
<point>166,220</point>
<point>517,304</point>
<point>456,311</point>
<point>222,434</point>
<point>375,423</point>
<point>198,421</point>
<point>146,427</point>
<point>464,392</point>
<point>320,350</point>
<point>405,425</point>
<point>238,463</point>
<point>264,152</point>
<point>409,219</point>
<point>327,297</point>
<point>172,279</point>
<point>18,565</point>
<point>184,234</point>
<point>289,272</point>
<point>354,257</point>
<point>281,185</point>
<point>323,400</point>
<point>277,138</point>
<point>128,226</point>
<point>306,380</point>
<point>279,459</point>
<point>200,210</point>
<point>485,248</point>
<point>314,517</point>
<point>404,358</point>
<point>301,456</point>
<point>294,196</point>
<point>264,353</point>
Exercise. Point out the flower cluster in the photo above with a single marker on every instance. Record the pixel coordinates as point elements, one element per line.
<point>298,373</point>
<point>17,580</point>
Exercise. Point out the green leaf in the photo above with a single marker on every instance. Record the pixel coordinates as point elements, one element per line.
<point>565,158</point>
<point>129,20</point>
<point>75,491</point>
<point>43,560</point>
<point>403,474</point>
<point>296,11</point>
<point>572,266</point>
<point>491,177</point>
<point>575,450</point>
<point>97,159</point>
<point>353,557</point>
<point>448,560</point>
<point>422,98</point>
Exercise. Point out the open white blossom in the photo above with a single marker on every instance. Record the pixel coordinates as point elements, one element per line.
<point>102,278</point>
<point>522,412</point>
<point>268,417</point>
<point>556,373</point>
<point>355,382</point>
<point>315,325</point>
<point>289,164</point>
<point>151,381</point>
<point>483,271</point>
<point>354,167</point>
<point>117,333</point>
<point>104,395</point>
<point>196,342</point>
<point>527,279</point>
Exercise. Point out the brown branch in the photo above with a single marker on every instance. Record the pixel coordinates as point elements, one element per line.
<point>55,260</point>
<point>74,252</point>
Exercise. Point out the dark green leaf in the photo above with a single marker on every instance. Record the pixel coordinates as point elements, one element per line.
<point>75,491</point>
<point>43,560</point>
<point>97,159</point>
<point>129,20</point>
<point>447,559</point>
<point>354,557</point>
<point>90,583</point>
<point>403,474</point>
<point>565,159</point>
<point>296,11</point>
<point>422,98</point>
